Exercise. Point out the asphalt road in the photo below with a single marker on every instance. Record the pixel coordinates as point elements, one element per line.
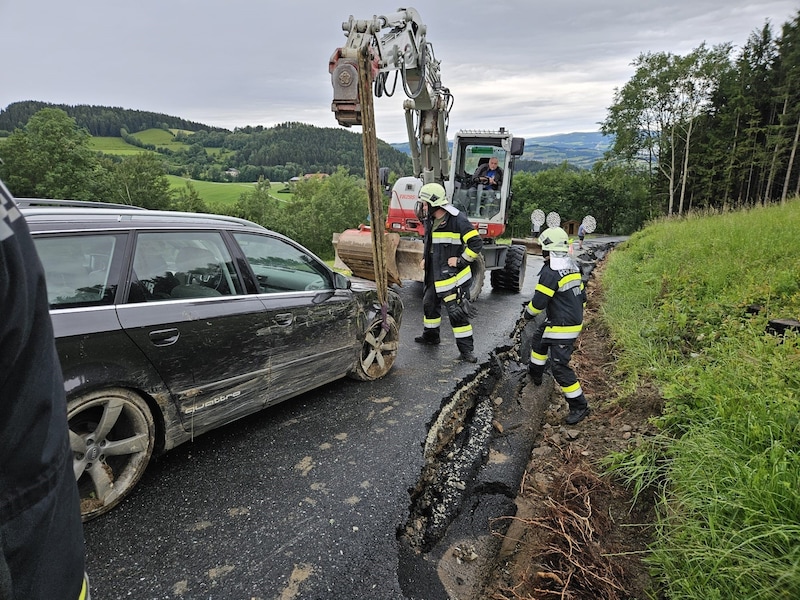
<point>302,500</point>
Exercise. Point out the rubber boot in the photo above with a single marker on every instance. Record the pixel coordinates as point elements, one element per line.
<point>578,410</point>
<point>428,338</point>
<point>465,349</point>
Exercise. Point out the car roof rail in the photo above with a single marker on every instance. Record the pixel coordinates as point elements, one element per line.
<point>95,210</point>
<point>31,202</point>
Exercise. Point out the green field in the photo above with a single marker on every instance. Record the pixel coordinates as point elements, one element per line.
<point>224,194</point>
<point>114,145</point>
<point>156,137</point>
<point>213,193</point>
<point>160,139</point>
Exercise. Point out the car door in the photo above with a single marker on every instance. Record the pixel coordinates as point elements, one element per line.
<point>83,272</point>
<point>311,326</point>
<point>187,311</point>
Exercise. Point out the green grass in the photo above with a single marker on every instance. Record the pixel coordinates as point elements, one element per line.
<point>160,139</point>
<point>156,137</point>
<point>224,194</point>
<point>214,193</point>
<point>114,145</point>
<point>727,462</point>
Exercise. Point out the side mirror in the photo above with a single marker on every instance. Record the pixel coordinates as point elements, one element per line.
<point>517,146</point>
<point>340,282</point>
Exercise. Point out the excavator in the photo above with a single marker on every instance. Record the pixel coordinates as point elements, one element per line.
<point>397,48</point>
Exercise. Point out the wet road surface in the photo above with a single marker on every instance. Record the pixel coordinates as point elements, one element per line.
<point>302,500</point>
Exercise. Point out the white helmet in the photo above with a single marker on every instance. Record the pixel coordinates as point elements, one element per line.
<point>433,194</point>
<point>554,239</point>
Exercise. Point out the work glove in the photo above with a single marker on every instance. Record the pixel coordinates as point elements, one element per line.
<point>457,306</point>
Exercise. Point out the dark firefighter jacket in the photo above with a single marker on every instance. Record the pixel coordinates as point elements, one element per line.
<point>41,535</point>
<point>562,296</point>
<point>456,237</point>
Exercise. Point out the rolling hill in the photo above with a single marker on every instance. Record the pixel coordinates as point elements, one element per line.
<point>580,149</point>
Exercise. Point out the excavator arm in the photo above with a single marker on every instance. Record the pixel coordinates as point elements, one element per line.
<point>397,47</point>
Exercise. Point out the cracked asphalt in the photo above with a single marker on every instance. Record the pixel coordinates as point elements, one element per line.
<point>312,499</point>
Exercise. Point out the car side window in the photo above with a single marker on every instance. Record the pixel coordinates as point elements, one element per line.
<point>170,265</point>
<point>79,269</point>
<point>282,267</point>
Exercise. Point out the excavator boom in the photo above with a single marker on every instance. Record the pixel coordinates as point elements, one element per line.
<point>396,45</point>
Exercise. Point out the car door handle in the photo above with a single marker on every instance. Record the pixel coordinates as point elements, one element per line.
<point>284,319</point>
<point>164,337</point>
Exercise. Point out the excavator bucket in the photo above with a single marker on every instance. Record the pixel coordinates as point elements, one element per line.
<point>354,253</point>
<point>408,257</point>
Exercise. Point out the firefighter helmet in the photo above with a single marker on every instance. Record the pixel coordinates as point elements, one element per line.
<point>433,194</point>
<point>554,239</point>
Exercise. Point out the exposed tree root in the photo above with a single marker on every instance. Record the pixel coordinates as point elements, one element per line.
<point>570,564</point>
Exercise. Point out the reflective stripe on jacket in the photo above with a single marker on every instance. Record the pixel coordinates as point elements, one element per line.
<point>455,237</point>
<point>561,294</point>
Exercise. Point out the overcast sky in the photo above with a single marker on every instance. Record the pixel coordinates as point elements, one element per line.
<point>535,67</point>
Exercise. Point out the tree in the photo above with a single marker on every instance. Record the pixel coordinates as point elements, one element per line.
<point>141,180</point>
<point>258,206</point>
<point>49,158</point>
<point>657,110</point>
<point>789,73</point>
<point>189,200</point>
<point>323,206</point>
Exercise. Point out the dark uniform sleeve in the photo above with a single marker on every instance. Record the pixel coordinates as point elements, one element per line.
<point>545,289</point>
<point>40,526</point>
<point>473,243</point>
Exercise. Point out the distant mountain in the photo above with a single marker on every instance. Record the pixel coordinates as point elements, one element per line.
<point>99,120</point>
<point>580,149</point>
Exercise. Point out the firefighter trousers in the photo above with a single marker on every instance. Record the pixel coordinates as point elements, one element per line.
<point>432,320</point>
<point>560,352</point>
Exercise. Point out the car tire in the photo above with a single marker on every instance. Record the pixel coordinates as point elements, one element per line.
<point>378,351</point>
<point>112,435</point>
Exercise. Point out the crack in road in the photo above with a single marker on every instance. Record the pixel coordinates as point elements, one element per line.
<point>455,448</point>
<point>456,479</point>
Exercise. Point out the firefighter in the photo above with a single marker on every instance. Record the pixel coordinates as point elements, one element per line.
<point>560,296</point>
<point>451,245</point>
<point>41,536</point>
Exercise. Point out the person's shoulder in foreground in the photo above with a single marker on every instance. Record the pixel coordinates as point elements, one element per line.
<point>41,535</point>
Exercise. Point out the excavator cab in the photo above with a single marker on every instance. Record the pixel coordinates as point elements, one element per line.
<point>478,199</point>
<point>485,205</point>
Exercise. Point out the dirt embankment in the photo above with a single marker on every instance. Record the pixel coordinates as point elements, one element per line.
<point>576,534</point>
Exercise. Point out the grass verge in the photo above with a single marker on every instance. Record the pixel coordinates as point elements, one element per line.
<point>687,302</point>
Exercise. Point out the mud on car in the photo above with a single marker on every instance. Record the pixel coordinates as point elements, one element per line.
<point>171,324</point>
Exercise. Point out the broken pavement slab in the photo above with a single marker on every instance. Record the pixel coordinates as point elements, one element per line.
<point>460,507</point>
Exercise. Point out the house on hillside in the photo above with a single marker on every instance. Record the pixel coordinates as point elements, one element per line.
<point>308,176</point>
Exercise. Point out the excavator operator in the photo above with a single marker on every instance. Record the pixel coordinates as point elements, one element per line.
<point>489,174</point>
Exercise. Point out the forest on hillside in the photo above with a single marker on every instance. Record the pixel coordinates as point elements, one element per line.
<point>714,128</point>
<point>98,120</point>
<point>275,153</point>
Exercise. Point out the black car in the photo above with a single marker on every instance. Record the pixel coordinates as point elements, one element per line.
<point>171,324</point>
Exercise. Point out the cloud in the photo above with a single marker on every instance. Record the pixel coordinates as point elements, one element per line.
<point>536,68</point>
